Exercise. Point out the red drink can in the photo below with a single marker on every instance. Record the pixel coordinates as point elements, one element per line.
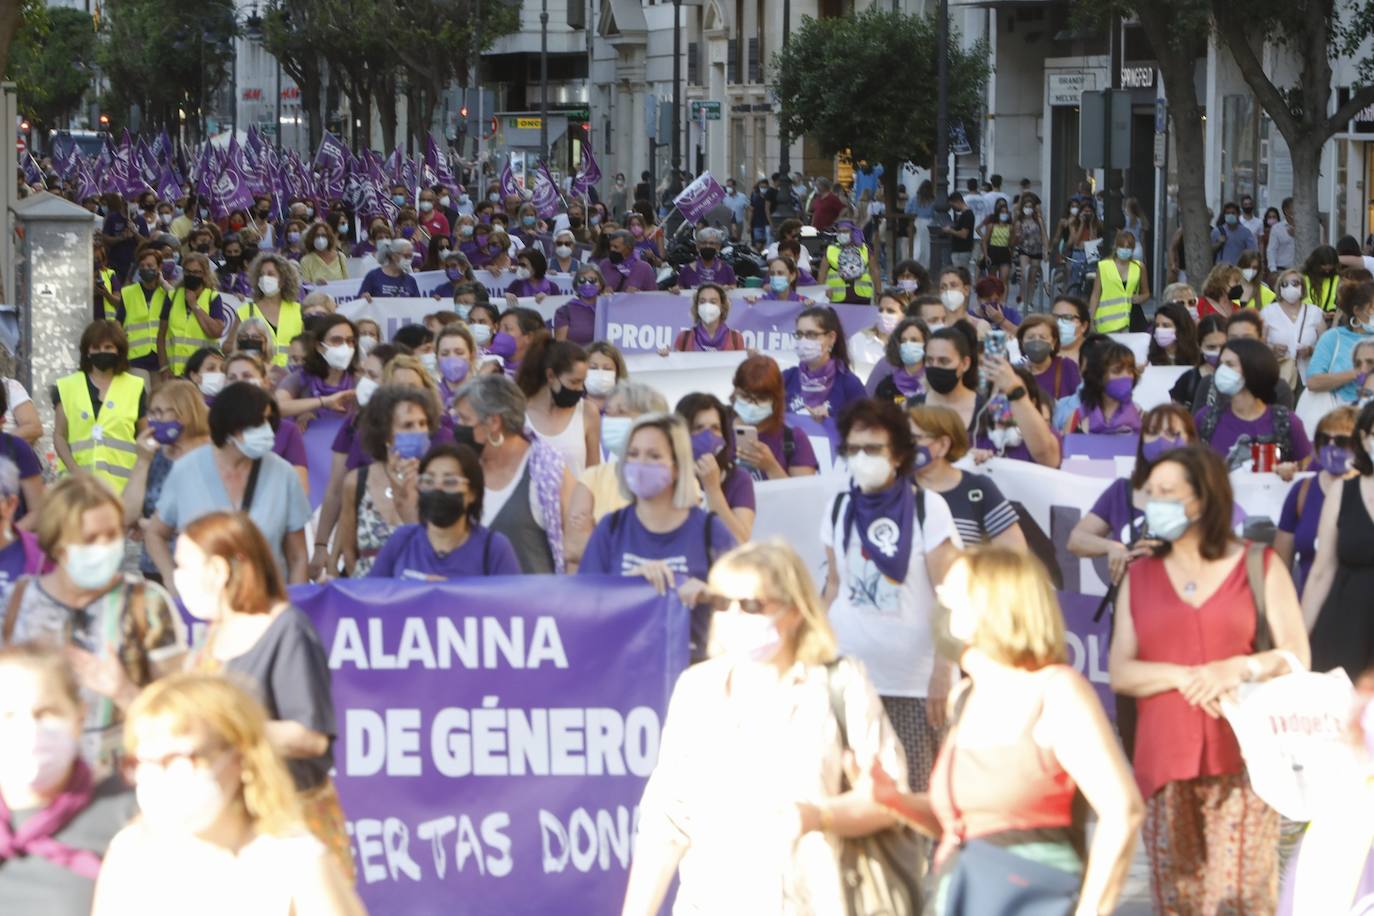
<point>1264,455</point>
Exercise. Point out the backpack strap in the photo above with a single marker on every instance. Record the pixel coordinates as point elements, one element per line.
<point>486,555</point>
<point>1283,430</point>
<point>920,511</point>
<point>12,609</point>
<point>1254,577</point>
<point>710,522</point>
<point>1303,489</point>
<point>1210,418</point>
<point>789,443</point>
<point>736,340</point>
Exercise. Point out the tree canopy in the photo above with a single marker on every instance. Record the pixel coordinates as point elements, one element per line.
<point>51,62</point>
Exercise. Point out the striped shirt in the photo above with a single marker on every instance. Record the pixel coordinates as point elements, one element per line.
<point>980,510</point>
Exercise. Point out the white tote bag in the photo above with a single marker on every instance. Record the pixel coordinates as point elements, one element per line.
<point>1292,732</point>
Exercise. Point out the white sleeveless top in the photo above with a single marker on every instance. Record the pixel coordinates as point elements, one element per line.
<point>571,443</point>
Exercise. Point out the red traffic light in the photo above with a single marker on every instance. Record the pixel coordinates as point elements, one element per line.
<point>463,112</point>
<point>24,124</point>
<point>104,120</point>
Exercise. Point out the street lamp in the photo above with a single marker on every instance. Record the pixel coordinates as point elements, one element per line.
<point>675,185</point>
<point>544,79</point>
<point>939,242</point>
<point>785,154</point>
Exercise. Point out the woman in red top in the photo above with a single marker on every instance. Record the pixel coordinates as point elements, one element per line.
<point>1028,731</point>
<point>1184,639</point>
<point>1221,292</point>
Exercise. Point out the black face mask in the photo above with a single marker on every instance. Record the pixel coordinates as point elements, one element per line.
<point>248,343</point>
<point>147,274</point>
<point>192,282</point>
<point>566,397</point>
<point>707,254</point>
<point>575,222</point>
<point>1236,291</point>
<point>616,257</point>
<point>203,249</point>
<point>105,362</point>
<point>440,508</point>
<point>942,380</point>
<point>250,253</point>
<point>233,261</point>
<point>462,435</point>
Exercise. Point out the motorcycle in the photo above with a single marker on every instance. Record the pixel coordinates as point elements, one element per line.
<point>682,250</point>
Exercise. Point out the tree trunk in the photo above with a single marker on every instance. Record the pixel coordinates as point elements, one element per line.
<point>385,95</point>
<point>1306,158</point>
<point>11,18</point>
<point>310,100</point>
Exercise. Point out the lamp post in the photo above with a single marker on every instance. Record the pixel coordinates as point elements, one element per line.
<point>939,242</point>
<point>674,186</point>
<point>544,79</point>
<point>785,154</point>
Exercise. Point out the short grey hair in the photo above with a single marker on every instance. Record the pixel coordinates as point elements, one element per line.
<point>9,478</point>
<point>624,235</point>
<point>710,234</point>
<point>638,398</point>
<point>321,298</point>
<point>495,396</point>
<point>400,250</point>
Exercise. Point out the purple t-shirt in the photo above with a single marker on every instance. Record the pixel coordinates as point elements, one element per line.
<point>632,273</point>
<point>738,488</point>
<point>408,554</point>
<point>12,559</point>
<point>26,460</point>
<point>1303,527</point>
<point>380,286</point>
<point>1017,453</point>
<point>697,273</point>
<point>1069,378</point>
<point>290,443</point>
<point>803,455</point>
<point>524,288</point>
<point>1115,508</point>
<point>1231,427</point>
<point>845,390</point>
<point>580,320</point>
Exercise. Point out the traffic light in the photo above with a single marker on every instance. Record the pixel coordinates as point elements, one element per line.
<point>104,120</point>
<point>463,112</point>
<point>24,125</point>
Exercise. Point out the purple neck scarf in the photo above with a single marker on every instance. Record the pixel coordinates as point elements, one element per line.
<point>816,383</point>
<point>908,383</point>
<point>319,388</point>
<point>708,341</point>
<point>1125,420</point>
<point>37,836</point>
<point>884,521</point>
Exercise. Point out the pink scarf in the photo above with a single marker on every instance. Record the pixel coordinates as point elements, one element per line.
<point>36,837</point>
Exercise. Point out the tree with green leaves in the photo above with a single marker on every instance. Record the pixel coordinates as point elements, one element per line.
<point>866,82</point>
<point>52,63</point>
<point>1312,33</point>
<point>1177,31</point>
<point>15,15</point>
<point>291,33</point>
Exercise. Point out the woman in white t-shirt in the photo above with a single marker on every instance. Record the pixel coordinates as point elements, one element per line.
<point>1291,326</point>
<point>21,419</point>
<point>220,830</point>
<point>887,546</point>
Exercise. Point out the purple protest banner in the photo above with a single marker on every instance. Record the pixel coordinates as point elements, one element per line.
<point>647,322</point>
<point>230,190</point>
<point>494,735</point>
<point>699,198</point>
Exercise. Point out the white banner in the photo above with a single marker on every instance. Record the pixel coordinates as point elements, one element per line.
<point>429,280</point>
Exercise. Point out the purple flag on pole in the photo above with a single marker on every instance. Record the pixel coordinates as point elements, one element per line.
<point>331,160</point>
<point>230,190</point>
<point>86,185</point>
<point>588,172</point>
<point>32,173</point>
<point>508,186</point>
<point>699,198</point>
<point>168,186</point>
<point>438,164</point>
<point>545,192</point>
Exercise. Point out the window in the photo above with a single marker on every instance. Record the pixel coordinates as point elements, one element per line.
<point>755,66</point>
<point>732,69</point>
<point>693,64</point>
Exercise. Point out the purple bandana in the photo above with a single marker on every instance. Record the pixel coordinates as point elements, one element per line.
<point>908,383</point>
<point>816,383</point>
<point>38,835</point>
<point>708,341</point>
<point>1125,420</point>
<point>884,521</point>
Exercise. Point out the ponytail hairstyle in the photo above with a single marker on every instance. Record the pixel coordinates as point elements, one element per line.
<point>825,316</point>
<point>545,355</point>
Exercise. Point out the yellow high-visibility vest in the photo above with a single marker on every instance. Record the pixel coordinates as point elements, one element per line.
<point>141,318</point>
<point>103,445</point>
<point>290,325</point>
<point>837,287</point>
<point>184,334</point>
<point>1114,307</point>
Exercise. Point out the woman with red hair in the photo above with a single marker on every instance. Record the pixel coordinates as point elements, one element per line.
<point>764,443</point>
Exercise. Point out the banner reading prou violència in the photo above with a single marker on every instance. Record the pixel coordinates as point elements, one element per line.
<point>494,735</point>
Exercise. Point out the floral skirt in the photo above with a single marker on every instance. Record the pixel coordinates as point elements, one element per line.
<point>1213,848</point>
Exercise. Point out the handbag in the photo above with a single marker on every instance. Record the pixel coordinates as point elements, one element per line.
<point>878,872</point>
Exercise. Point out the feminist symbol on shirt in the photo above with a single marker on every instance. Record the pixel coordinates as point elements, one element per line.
<point>883,534</point>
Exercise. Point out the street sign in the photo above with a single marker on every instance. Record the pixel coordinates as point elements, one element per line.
<point>527,123</point>
<point>20,145</point>
<point>1161,116</point>
<point>710,108</point>
<point>1065,89</point>
<point>1159,150</point>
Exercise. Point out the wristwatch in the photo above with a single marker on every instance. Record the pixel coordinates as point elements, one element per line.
<point>1018,394</point>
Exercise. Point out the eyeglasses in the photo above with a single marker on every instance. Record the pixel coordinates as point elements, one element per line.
<point>872,450</point>
<point>1060,316</point>
<point>721,603</point>
<point>812,335</point>
<point>1185,303</point>
<point>202,759</point>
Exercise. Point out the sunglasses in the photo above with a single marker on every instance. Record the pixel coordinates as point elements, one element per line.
<point>722,603</point>
<point>872,450</point>
<point>1340,441</point>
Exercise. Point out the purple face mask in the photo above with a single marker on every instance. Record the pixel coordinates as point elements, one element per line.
<point>1334,459</point>
<point>454,273</point>
<point>923,457</point>
<point>1119,389</point>
<point>1212,358</point>
<point>706,442</point>
<point>503,345</point>
<point>165,431</point>
<point>588,290</point>
<point>647,479</point>
<point>1151,451</point>
<point>453,368</point>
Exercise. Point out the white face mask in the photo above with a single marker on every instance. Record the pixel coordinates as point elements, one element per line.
<point>745,637</point>
<point>1249,274</point>
<point>1028,211</point>
<point>269,284</point>
<point>953,299</point>
<point>522,273</point>
<point>201,602</point>
<point>1291,292</point>
<point>615,432</point>
<point>180,800</point>
<point>870,472</point>
<point>92,566</point>
<point>339,357</point>
<point>600,382</point>
<point>321,243</point>
<point>1005,437</point>
<point>426,206</point>
<point>365,389</point>
<point>842,238</point>
<point>366,342</point>
<point>563,251</point>
<point>708,312</point>
<point>38,753</point>
<point>430,362</point>
<point>887,322</point>
<point>211,383</point>
<point>481,334</point>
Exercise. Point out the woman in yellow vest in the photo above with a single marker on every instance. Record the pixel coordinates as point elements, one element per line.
<point>1255,293</point>
<point>844,270</point>
<point>104,280</point>
<point>194,316</point>
<point>276,290</point>
<point>100,408</point>
<point>1320,276</point>
<point>138,306</point>
<point>1120,285</point>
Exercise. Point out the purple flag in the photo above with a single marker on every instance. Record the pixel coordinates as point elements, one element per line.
<point>331,160</point>
<point>168,186</point>
<point>508,186</point>
<point>32,173</point>
<point>438,164</point>
<point>699,198</point>
<point>230,190</point>
<point>162,147</point>
<point>588,172</point>
<point>546,198</point>
<point>86,185</point>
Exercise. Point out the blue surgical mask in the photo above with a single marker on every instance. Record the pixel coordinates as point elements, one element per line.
<point>410,444</point>
<point>398,199</point>
<point>527,220</point>
<point>1167,519</point>
<point>778,284</point>
<point>1232,219</point>
<point>1228,381</point>
<point>256,441</point>
<point>615,432</point>
<point>1124,254</point>
<point>912,352</point>
<point>1068,329</point>
<point>751,413</point>
<point>481,334</point>
<point>463,310</point>
<point>92,566</point>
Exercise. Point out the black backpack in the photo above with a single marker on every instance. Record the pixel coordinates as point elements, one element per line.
<point>1037,542</point>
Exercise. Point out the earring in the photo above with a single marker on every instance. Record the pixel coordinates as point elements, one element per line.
<point>498,441</point>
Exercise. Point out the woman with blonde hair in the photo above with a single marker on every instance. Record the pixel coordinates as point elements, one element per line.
<point>748,796</point>
<point>322,261</point>
<point>1027,732</point>
<point>219,816</point>
<point>275,298</point>
<point>1220,291</point>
